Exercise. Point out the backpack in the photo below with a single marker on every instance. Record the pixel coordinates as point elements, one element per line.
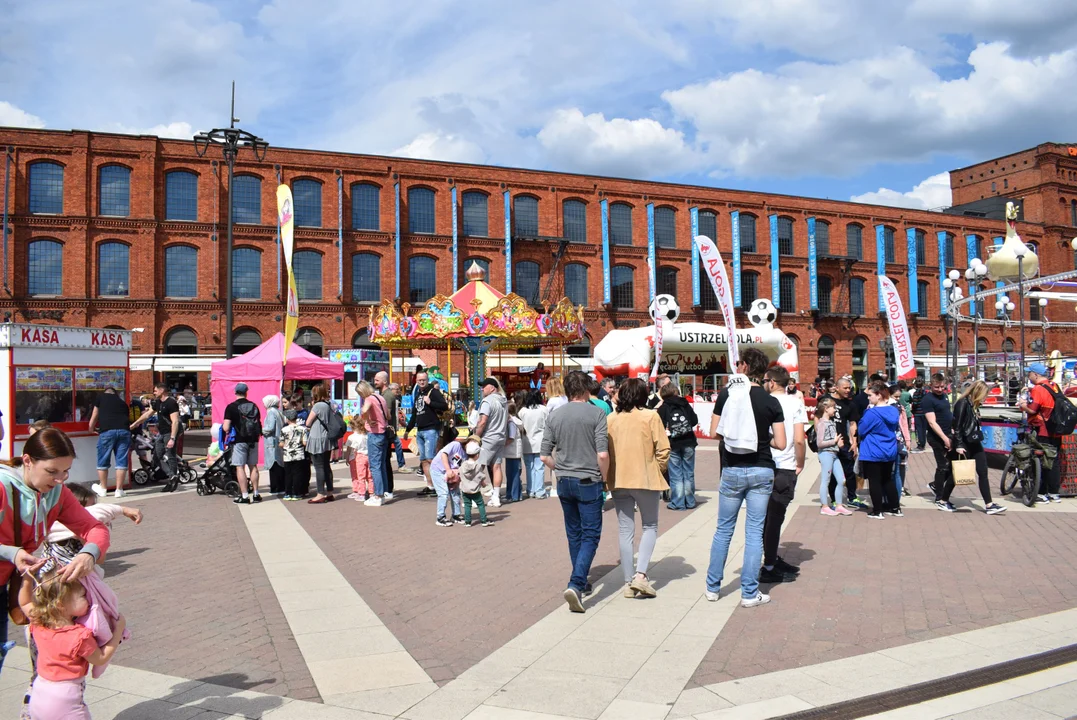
<point>1063,418</point>
<point>250,423</point>
<point>813,442</point>
<point>335,429</point>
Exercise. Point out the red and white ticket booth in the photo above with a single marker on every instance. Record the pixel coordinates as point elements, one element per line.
<point>54,373</point>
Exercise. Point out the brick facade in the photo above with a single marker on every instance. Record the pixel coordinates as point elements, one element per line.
<point>81,229</point>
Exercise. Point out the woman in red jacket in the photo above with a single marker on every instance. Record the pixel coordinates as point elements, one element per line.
<point>33,494</point>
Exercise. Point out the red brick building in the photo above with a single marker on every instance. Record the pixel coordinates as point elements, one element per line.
<point>129,231</point>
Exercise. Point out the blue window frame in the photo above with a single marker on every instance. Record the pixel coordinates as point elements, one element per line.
<point>948,245</point>
<point>665,227</point>
<point>854,241</point>
<point>785,236</point>
<point>421,211</point>
<point>575,220</point>
<point>476,217</point>
<point>114,191</point>
<point>481,262</point>
<point>181,195</point>
<point>888,243</point>
<point>366,278</point>
<point>307,266</point>
<point>47,188</point>
<point>181,271</point>
<point>247,274</point>
<point>247,200</point>
<point>747,233</point>
<point>624,287</point>
<point>787,292</point>
<point>576,283</point>
<point>977,245</point>
<point>113,270</point>
<point>307,198</point>
<point>527,281</point>
<point>921,297</point>
<point>708,224</point>
<point>366,206</point>
<point>749,288</point>
<point>621,224</point>
<point>822,238</point>
<point>666,281</point>
<point>856,296</point>
<point>921,246</point>
<point>45,268</point>
<point>422,279</point>
<point>525,216</point>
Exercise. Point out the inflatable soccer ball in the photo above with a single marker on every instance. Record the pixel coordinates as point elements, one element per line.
<point>665,306</point>
<point>762,312</point>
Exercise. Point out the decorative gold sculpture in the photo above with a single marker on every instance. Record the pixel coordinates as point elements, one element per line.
<point>1002,265</point>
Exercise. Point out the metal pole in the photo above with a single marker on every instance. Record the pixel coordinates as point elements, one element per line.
<point>7,180</point>
<point>1021,300</point>
<point>230,153</point>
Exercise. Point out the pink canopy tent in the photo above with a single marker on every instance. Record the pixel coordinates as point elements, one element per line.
<point>263,370</point>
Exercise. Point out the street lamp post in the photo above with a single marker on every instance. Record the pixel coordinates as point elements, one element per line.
<point>976,272</point>
<point>953,295</point>
<point>1043,326</point>
<point>1021,250</point>
<point>231,139</point>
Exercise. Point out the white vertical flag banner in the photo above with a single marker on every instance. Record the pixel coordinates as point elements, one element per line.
<point>657,327</point>
<point>899,329</point>
<point>711,261</point>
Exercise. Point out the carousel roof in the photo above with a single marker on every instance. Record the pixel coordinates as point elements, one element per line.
<point>476,294</point>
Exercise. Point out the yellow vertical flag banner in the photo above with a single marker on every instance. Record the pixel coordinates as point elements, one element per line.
<point>286,219</point>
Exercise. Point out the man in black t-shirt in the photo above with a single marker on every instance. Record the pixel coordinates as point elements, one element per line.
<point>846,420</point>
<point>166,409</point>
<point>244,416</point>
<point>939,418</point>
<point>110,417</point>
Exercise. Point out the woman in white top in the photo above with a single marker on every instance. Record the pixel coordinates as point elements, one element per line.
<point>555,393</point>
<point>514,450</point>
<point>533,414</point>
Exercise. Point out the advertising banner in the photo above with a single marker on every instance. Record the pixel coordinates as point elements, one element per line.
<point>286,219</point>
<point>899,329</point>
<point>715,270</point>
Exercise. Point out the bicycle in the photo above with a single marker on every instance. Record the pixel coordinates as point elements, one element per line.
<point>1024,467</point>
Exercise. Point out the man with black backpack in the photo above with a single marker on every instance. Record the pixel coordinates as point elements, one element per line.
<point>246,418</point>
<point>1051,419</point>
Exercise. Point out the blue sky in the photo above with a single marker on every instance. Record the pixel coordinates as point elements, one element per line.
<point>844,99</point>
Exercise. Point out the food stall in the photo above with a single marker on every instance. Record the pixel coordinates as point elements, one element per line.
<point>359,364</point>
<point>54,373</point>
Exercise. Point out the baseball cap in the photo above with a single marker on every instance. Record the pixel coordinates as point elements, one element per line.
<point>241,388</point>
<point>472,448</point>
<point>489,381</point>
<point>1038,368</point>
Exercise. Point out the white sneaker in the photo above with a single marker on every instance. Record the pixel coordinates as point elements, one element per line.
<point>99,490</point>
<point>1055,497</point>
<point>495,501</point>
<point>388,496</point>
<point>119,494</point>
<point>711,596</point>
<point>373,502</point>
<point>352,496</point>
<point>759,599</point>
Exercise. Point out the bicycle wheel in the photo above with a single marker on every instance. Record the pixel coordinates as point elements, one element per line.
<point>1010,476</point>
<point>1031,484</point>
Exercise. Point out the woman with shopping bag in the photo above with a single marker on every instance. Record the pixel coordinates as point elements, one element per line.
<point>968,441</point>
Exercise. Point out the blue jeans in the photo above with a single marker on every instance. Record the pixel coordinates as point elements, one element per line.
<point>682,479</point>
<point>113,441</point>
<point>513,491</point>
<point>428,443</point>
<point>445,491</point>
<point>536,474</point>
<point>581,504</point>
<point>399,447</point>
<point>831,465</point>
<point>753,484</point>
<point>377,445</point>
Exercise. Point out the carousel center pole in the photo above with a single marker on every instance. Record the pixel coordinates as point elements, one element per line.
<point>448,372</point>
<point>390,366</point>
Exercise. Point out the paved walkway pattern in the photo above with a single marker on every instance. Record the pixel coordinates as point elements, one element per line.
<point>340,611</point>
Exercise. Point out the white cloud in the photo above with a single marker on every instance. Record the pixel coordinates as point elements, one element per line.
<point>12,116</point>
<point>640,148</point>
<point>180,130</point>
<point>439,146</point>
<point>931,194</point>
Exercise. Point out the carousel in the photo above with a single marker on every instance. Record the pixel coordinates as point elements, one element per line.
<point>476,319</point>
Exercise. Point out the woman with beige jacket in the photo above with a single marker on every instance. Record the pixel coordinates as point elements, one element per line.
<point>639,450</point>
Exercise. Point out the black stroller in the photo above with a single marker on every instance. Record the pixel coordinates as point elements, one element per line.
<point>150,468</point>
<point>219,475</point>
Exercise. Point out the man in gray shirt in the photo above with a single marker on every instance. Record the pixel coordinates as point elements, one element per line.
<point>577,431</point>
<point>493,428</point>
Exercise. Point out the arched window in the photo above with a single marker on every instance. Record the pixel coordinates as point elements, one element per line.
<point>948,247</point>
<point>888,244</point>
<point>307,201</point>
<point>923,346</point>
<point>113,272</point>
<point>921,297</point>
<point>621,224</point>
<point>307,267</point>
<point>860,352</point>
<point>422,279</point>
<point>361,339</point>
<point>785,236</point>
<point>45,267</point>
<point>310,340</point>
<point>665,227</point>
<point>747,232</point>
<point>245,340</point>
<point>421,211</point>
<point>181,195</point>
<point>247,274</point>
<point>366,278</point>
<point>182,341</point>
<point>825,356</point>
<point>856,296</point>
<point>574,213</point>
<point>708,224</point>
<point>822,238</point>
<point>749,288</point>
<point>247,200</point>
<point>476,216</point>
<point>787,292</point>
<point>666,281</point>
<point>977,246</point>
<point>1008,345</point>
<point>181,271</point>
<point>576,283</point>
<point>526,284</point>
<point>366,206</point>
<point>114,191</point>
<point>824,293</point>
<point>525,216</point>
<point>854,241</point>
<point>47,188</point>
<point>708,301</point>
<point>921,246</point>
<point>481,262</point>
<point>981,346</point>
<point>624,287</point>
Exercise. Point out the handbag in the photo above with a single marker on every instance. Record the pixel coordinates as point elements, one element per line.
<point>14,583</point>
<point>964,472</point>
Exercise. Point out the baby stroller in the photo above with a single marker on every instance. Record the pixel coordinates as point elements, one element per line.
<point>219,475</point>
<point>150,468</point>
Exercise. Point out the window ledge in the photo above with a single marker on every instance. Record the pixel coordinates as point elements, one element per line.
<point>181,297</point>
<point>113,297</point>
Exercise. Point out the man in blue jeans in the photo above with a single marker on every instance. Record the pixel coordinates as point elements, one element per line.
<point>425,416</point>
<point>577,433</point>
<point>754,423</point>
